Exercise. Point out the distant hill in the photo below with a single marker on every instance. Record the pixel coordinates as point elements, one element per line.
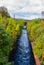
<point>4,11</point>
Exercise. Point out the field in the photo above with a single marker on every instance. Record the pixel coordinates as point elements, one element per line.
<point>35,30</point>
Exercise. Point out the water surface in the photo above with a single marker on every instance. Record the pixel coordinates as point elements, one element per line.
<point>24,54</point>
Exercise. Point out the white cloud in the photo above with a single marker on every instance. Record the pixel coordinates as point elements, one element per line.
<point>1,3</point>
<point>30,6</point>
<point>42,5</point>
<point>30,17</point>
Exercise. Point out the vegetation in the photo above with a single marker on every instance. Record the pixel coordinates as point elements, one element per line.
<point>35,30</point>
<point>10,30</point>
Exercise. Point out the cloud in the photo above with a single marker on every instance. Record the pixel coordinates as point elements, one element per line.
<point>28,17</point>
<point>42,5</point>
<point>21,8</point>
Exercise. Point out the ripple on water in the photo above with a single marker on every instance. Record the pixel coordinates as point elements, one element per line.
<point>24,55</point>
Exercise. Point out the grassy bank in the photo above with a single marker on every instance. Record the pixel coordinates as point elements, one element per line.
<point>10,30</point>
<point>35,30</point>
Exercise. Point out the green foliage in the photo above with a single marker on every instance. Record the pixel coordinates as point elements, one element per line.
<point>3,20</point>
<point>9,63</point>
<point>5,44</point>
<point>35,30</point>
<point>13,29</point>
<point>39,47</point>
<point>10,30</point>
<point>20,22</point>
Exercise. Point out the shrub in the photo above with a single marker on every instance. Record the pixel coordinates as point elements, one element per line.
<point>35,30</point>
<point>5,45</point>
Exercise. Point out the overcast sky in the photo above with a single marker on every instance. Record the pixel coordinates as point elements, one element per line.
<point>27,9</point>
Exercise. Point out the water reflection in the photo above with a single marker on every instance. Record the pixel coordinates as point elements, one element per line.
<point>24,54</point>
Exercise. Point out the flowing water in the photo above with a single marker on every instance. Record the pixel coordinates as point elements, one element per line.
<point>24,54</point>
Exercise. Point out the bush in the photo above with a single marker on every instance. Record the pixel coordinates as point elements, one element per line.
<point>5,45</point>
<point>39,47</point>
<point>13,29</point>
<point>35,30</point>
<point>10,30</point>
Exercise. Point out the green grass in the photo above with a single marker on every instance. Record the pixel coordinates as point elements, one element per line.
<point>35,30</point>
<point>10,30</point>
